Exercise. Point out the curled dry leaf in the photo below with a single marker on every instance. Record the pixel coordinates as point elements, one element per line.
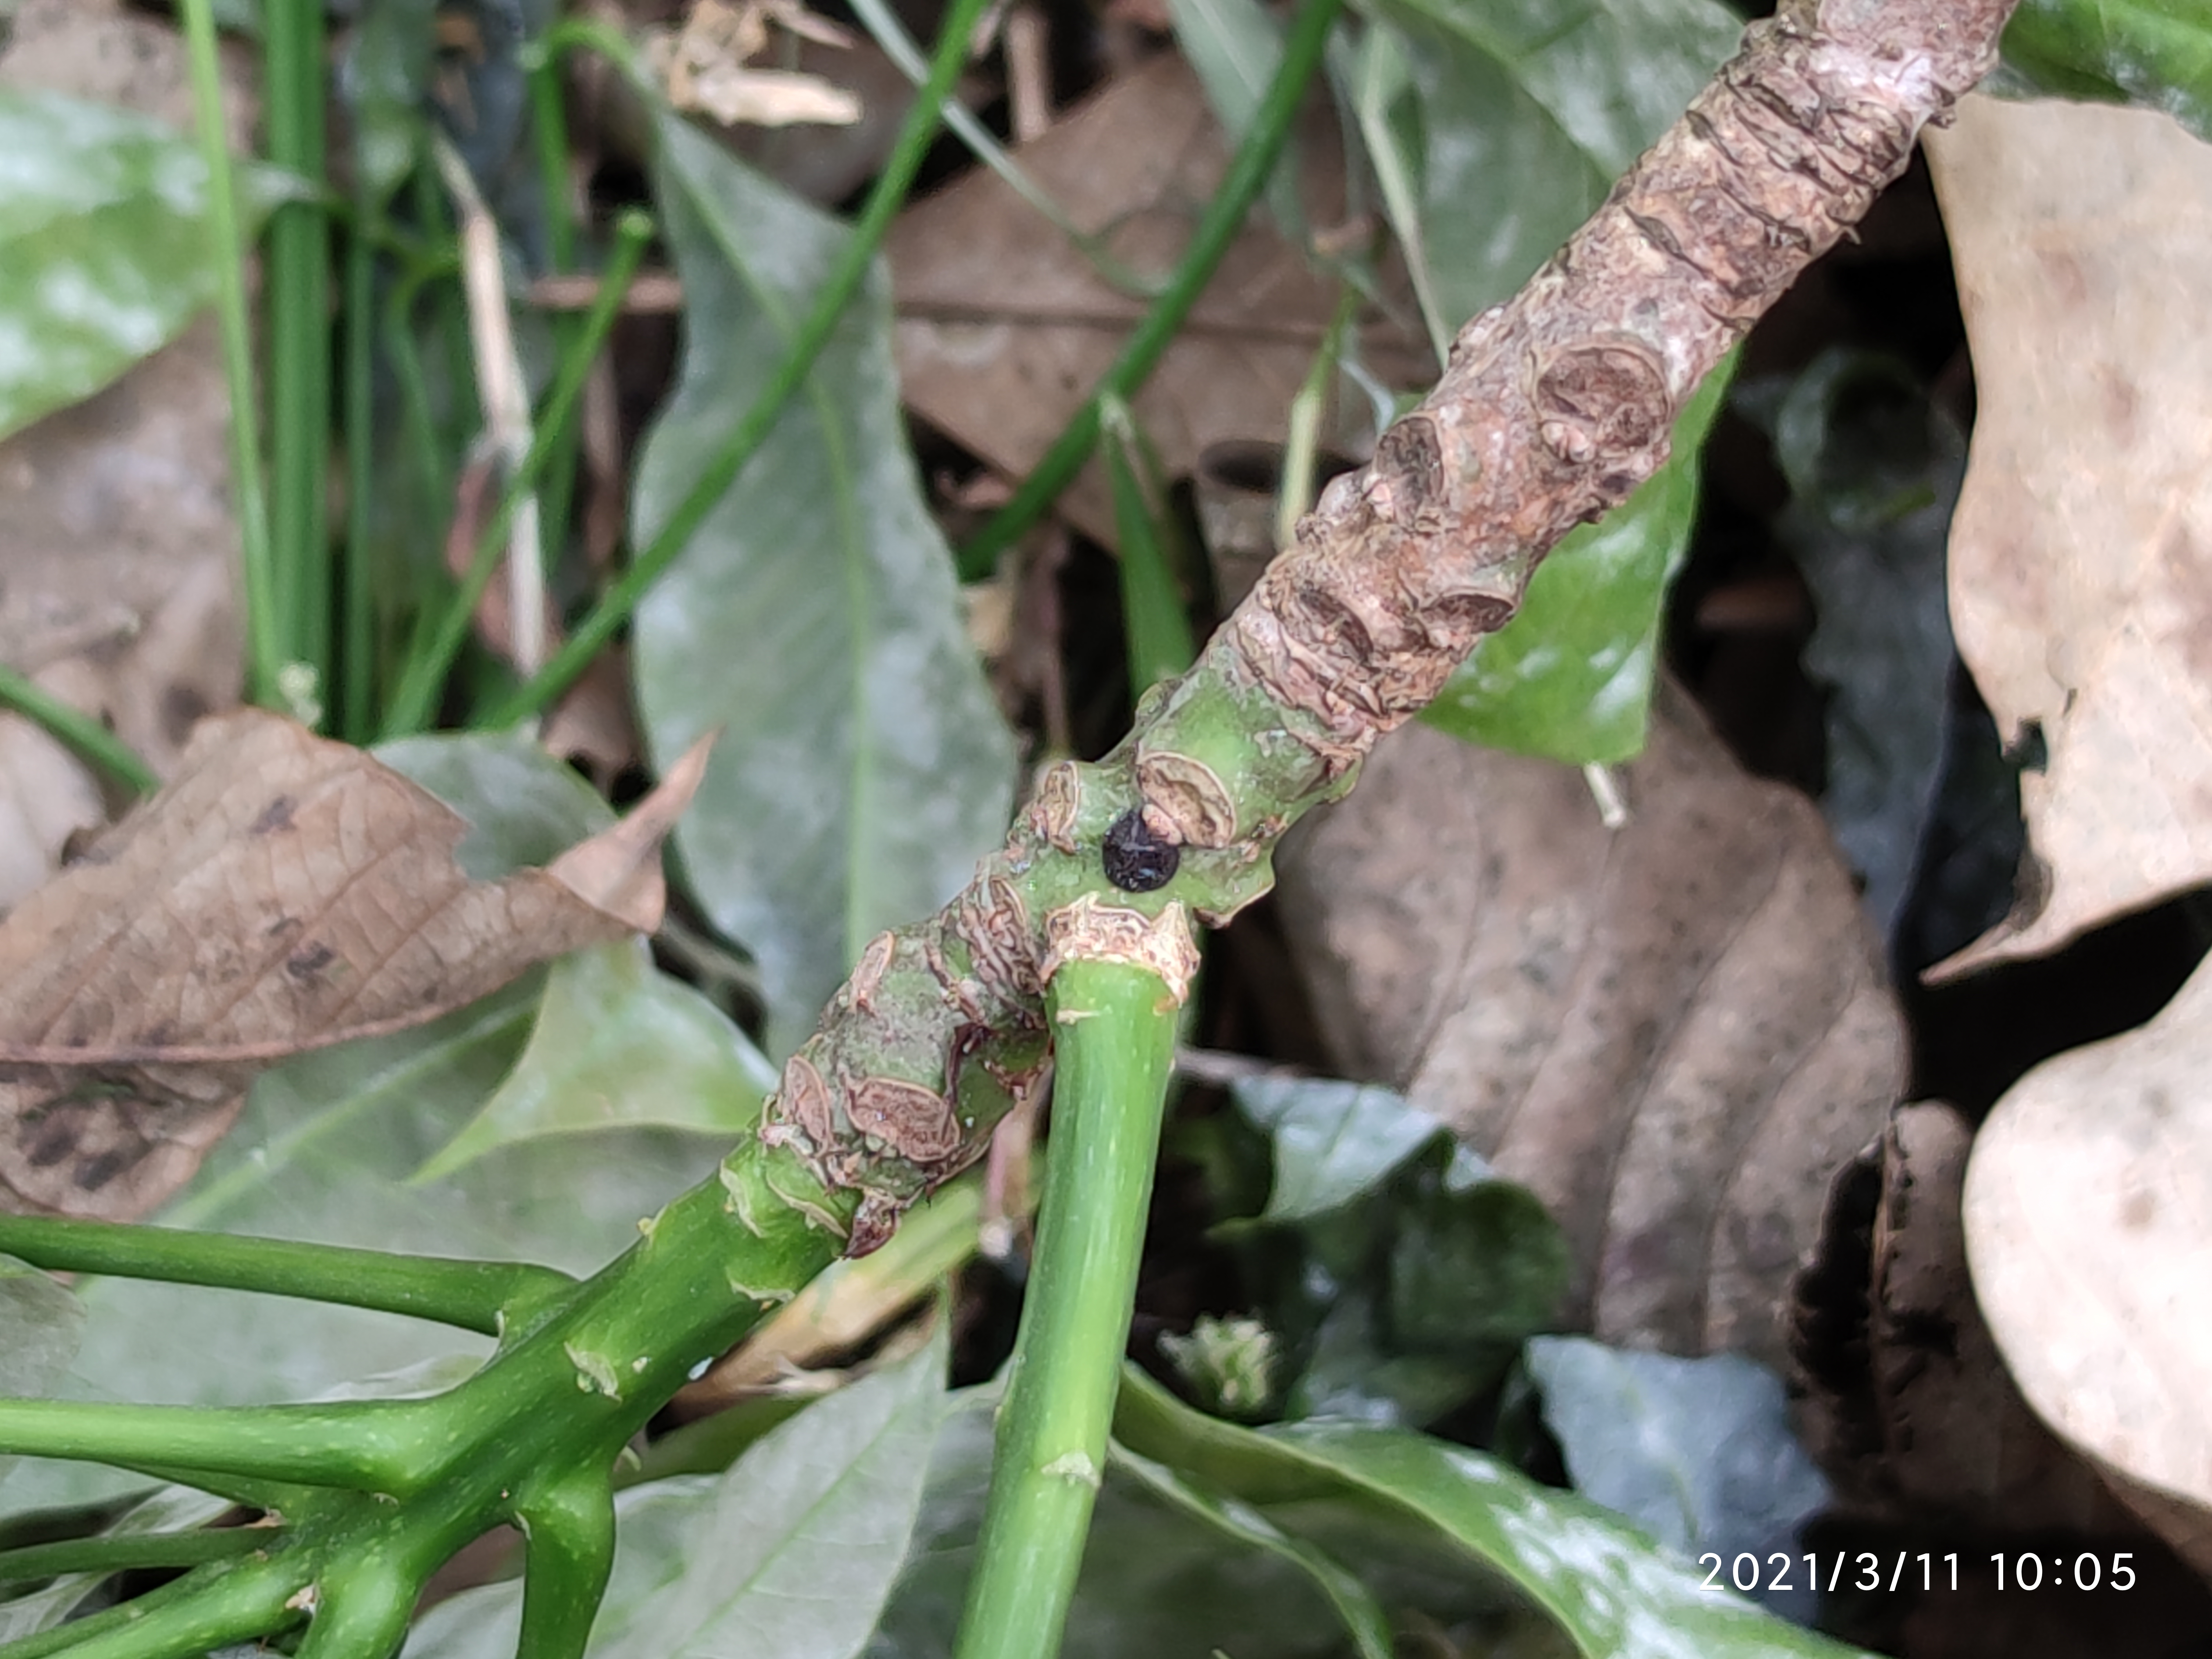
<point>2081,550</point>
<point>2089,1222</point>
<point>1909,1405</point>
<point>1675,1033</point>
<point>282,893</point>
<point>1003,332</point>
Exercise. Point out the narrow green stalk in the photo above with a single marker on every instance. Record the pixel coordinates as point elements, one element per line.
<point>744,440</point>
<point>117,1552</point>
<point>220,1605</point>
<point>267,649</point>
<point>129,1614</point>
<point>415,702</point>
<point>548,122</point>
<point>297,290</point>
<point>470,1295</point>
<point>1159,639</point>
<point>357,693</point>
<point>371,1446</point>
<point>85,737</point>
<point>1302,448</point>
<point>1224,218</point>
<point>1116,1026</point>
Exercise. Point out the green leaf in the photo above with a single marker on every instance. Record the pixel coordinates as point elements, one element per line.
<point>1697,1452</point>
<point>103,215</point>
<point>1504,122</point>
<point>2150,53</point>
<point>1354,1604</point>
<point>1495,130</point>
<point>1570,678</point>
<point>327,1144</point>
<point>1234,46</point>
<point>1401,1274</point>
<point>618,1044</point>
<point>864,765</point>
<point>385,88</point>
<point>1617,1594</point>
<point>1335,1141</point>
<point>1156,1577</point>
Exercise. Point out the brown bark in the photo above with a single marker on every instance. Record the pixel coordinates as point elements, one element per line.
<point>1552,409</point>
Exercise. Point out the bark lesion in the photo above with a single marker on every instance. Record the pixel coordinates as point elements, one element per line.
<point>1552,409</point>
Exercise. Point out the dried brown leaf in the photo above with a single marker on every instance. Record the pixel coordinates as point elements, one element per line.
<point>1909,1403</point>
<point>1675,1033</point>
<point>2088,1221</point>
<point>1003,332</point>
<point>2081,550</point>
<point>282,893</point>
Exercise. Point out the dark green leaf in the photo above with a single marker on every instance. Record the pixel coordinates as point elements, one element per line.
<point>1616,1592</point>
<point>103,214</point>
<point>1570,676</point>
<point>1697,1452</point>
<point>1334,1141</point>
<point>864,766</point>
<point>2149,53</point>
<point>1401,1276</point>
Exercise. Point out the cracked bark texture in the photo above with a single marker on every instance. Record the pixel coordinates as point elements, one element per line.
<point>1552,409</point>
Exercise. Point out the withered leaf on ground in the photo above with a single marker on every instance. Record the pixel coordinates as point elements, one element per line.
<point>115,532</point>
<point>2089,1223</point>
<point>1675,1033</point>
<point>2081,551</point>
<point>1910,1407</point>
<point>282,893</point>
<point>1004,328</point>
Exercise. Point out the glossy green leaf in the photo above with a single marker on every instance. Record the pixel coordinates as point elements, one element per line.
<point>618,1044</point>
<point>41,1324</point>
<point>1494,130</point>
<point>105,250</point>
<point>1697,1452</point>
<point>1335,1141</point>
<point>814,618</point>
<point>1508,122</point>
<point>1570,678</point>
<point>2151,54</point>
<point>1156,1578</point>
<point>1354,1604</point>
<point>1400,1275</point>
<point>1614,1591</point>
<point>325,1148</point>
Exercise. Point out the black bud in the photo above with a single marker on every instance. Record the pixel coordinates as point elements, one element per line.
<point>1136,859</point>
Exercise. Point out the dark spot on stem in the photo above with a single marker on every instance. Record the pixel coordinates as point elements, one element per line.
<point>1137,861</point>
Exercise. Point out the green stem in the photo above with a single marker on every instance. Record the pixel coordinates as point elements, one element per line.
<point>366,1445</point>
<point>744,440</point>
<point>1224,218</point>
<point>549,122</point>
<point>266,648</point>
<point>192,1616</point>
<point>415,700</point>
<point>470,1295</point>
<point>297,287</point>
<point>85,737</point>
<point>570,1521</point>
<point>115,1553</point>
<point>356,698</point>
<point>1116,1038</point>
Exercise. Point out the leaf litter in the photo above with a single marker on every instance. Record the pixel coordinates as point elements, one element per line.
<point>283,893</point>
